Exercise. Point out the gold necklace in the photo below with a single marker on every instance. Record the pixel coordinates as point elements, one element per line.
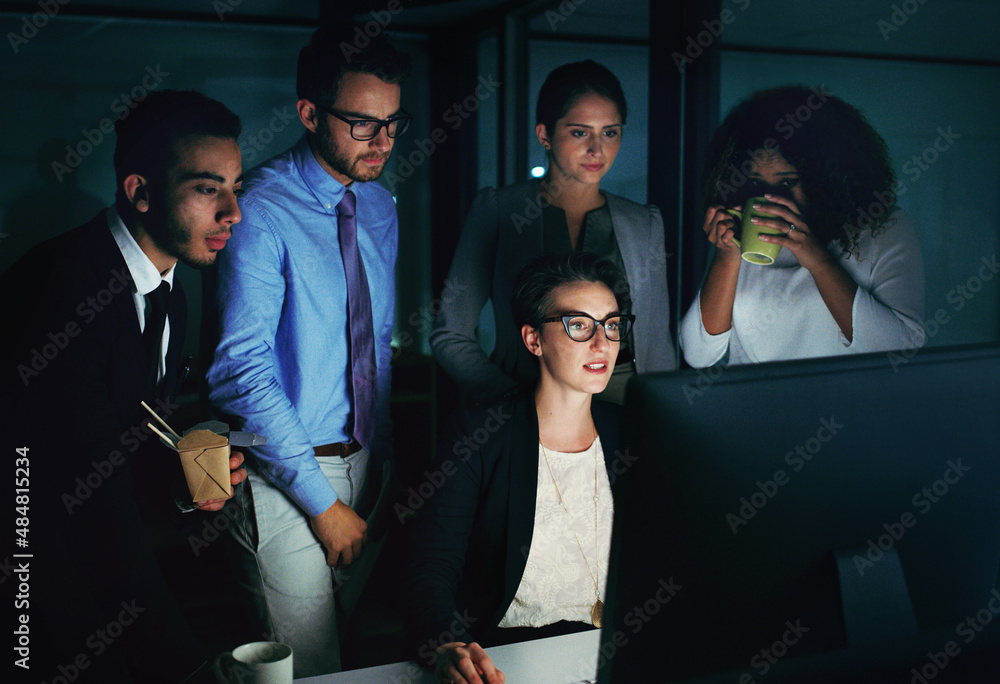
<point>597,610</point>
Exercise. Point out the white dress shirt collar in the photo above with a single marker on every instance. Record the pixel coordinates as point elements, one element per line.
<point>144,273</point>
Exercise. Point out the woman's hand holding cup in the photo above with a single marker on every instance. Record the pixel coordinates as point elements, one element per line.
<point>720,227</point>
<point>796,235</point>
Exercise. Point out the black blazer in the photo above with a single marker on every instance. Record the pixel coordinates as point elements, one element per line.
<point>475,513</point>
<point>75,356</point>
<point>74,372</point>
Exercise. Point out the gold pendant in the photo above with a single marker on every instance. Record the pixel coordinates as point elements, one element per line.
<point>597,613</point>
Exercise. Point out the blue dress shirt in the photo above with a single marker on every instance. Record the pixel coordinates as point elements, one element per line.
<point>282,364</point>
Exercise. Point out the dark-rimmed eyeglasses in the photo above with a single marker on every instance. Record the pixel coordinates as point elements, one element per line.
<point>368,129</point>
<point>581,327</point>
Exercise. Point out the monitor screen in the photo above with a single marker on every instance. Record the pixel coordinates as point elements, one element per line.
<point>820,516</point>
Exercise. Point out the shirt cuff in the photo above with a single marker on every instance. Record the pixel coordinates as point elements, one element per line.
<point>313,492</point>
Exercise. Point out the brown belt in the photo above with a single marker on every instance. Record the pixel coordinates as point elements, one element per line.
<point>338,449</point>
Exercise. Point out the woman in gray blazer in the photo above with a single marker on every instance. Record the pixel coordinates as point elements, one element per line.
<point>580,117</point>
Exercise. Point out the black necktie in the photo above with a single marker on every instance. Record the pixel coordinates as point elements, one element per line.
<point>152,336</point>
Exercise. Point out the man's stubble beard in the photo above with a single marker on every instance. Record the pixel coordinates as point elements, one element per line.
<point>341,162</point>
<point>175,239</point>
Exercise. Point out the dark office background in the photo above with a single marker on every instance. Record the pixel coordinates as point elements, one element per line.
<point>917,68</point>
<point>926,73</point>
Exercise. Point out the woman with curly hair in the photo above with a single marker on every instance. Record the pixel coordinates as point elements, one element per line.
<point>850,278</point>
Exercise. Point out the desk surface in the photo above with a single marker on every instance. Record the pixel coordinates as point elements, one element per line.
<point>557,660</point>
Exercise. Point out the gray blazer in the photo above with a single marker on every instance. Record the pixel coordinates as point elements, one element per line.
<point>502,233</point>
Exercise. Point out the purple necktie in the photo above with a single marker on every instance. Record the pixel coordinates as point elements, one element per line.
<point>359,326</point>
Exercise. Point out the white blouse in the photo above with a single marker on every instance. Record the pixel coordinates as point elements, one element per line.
<point>557,583</point>
<point>779,314</point>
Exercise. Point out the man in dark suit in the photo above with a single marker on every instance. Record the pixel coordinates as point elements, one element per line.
<point>87,341</point>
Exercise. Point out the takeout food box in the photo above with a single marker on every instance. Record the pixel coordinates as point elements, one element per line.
<point>205,452</point>
<point>205,459</point>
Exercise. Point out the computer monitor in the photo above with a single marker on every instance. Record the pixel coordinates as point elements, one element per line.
<point>792,521</point>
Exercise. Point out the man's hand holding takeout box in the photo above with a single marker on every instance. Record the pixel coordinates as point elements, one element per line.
<point>236,475</point>
<point>211,468</point>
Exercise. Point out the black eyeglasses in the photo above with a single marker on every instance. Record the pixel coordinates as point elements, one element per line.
<point>580,327</point>
<point>367,129</point>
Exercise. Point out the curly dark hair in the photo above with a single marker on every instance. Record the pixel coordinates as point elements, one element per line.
<point>843,163</point>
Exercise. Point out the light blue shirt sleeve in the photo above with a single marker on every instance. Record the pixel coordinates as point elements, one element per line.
<point>244,377</point>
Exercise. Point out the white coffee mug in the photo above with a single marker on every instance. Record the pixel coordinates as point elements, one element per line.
<point>259,662</point>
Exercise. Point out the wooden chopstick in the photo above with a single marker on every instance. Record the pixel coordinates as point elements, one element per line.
<point>162,436</point>
<point>160,421</point>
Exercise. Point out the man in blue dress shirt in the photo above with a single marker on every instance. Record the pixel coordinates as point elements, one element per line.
<point>285,363</point>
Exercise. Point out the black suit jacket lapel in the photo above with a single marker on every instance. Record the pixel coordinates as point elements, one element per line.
<point>607,418</point>
<point>523,459</point>
<point>123,320</point>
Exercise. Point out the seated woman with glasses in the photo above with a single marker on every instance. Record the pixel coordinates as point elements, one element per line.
<point>513,543</point>
<point>580,119</point>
